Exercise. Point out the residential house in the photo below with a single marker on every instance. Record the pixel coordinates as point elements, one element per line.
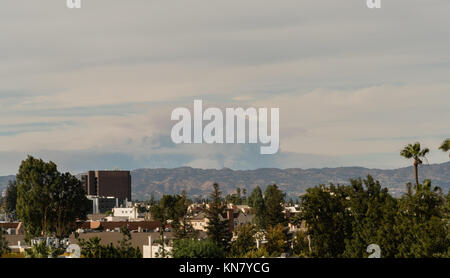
<point>199,222</point>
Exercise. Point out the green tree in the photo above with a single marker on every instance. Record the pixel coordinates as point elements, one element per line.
<point>48,202</point>
<point>235,198</point>
<point>189,248</point>
<point>3,244</point>
<point>174,208</point>
<point>244,196</point>
<point>217,229</point>
<point>276,240</point>
<point>420,225</point>
<point>162,213</point>
<point>91,248</point>
<point>372,212</point>
<point>447,221</point>
<point>245,241</point>
<point>415,152</point>
<point>35,182</point>
<point>273,202</point>
<point>343,220</point>
<point>300,244</point>
<point>69,204</point>
<point>11,197</point>
<point>325,210</point>
<point>185,230</point>
<point>182,226</point>
<point>256,202</point>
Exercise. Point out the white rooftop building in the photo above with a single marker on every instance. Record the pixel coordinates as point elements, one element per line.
<point>129,213</point>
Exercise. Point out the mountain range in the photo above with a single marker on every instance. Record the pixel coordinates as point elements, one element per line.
<point>198,182</point>
<point>294,181</point>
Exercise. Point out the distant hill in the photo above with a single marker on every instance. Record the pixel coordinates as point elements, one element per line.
<point>197,182</point>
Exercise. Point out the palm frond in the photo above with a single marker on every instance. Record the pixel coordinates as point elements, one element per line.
<point>406,153</point>
<point>445,145</point>
<point>424,152</point>
<point>414,151</point>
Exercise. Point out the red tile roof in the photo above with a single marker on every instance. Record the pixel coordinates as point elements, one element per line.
<point>9,225</point>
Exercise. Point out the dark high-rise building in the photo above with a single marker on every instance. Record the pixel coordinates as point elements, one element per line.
<point>108,184</point>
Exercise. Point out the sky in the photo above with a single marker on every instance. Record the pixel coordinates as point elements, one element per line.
<point>93,88</point>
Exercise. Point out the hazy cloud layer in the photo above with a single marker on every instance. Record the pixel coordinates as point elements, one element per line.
<point>94,88</point>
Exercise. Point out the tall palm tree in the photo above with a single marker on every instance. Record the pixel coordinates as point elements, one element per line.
<point>445,146</point>
<point>415,152</point>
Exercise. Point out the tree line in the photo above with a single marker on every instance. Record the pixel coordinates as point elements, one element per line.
<point>340,220</point>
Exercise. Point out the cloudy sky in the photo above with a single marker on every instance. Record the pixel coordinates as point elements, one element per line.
<point>94,88</point>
